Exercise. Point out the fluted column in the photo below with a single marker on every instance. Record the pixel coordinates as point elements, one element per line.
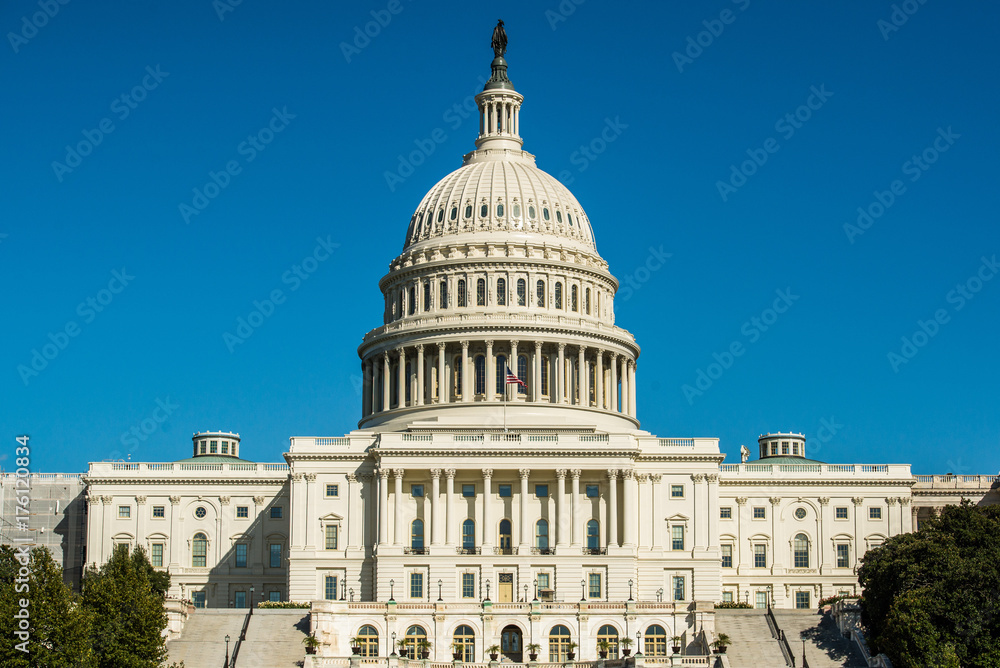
<point>297,537</point>
<point>654,479</point>
<point>437,522</point>
<point>536,385</point>
<point>561,375</point>
<point>443,389</point>
<point>614,382</point>
<point>574,508</point>
<point>631,389</point>
<point>383,506</point>
<point>599,378</point>
<point>631,514</point>
<point>700,497</point>
<point>466,385</point>
<point>487,541</point>
<point>513,368</point>
<point>386,400</point>
<point>309,508</point>
<point>909,516</point>
<point>400,535</point>
<point>562,528</point>
<point>583,397</point>
<point>355,513</point>
<point>449,508</point>
<point>612,508</point>
<point>625,409</point>
<point>713,509</point>
<point>402,380</point>
<point>366,388</point>
<point>525,532</point>
<point>420,374</point>
<point>491,370</point>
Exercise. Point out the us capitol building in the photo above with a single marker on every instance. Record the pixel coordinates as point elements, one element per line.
<point>468,508</point>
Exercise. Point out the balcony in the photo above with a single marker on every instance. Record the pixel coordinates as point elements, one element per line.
<point>505,550</point>
<point>543,550</point>
<point>595,550</point>
<point>761,469</point>
<point>469,550</point>
<point>415,550</point>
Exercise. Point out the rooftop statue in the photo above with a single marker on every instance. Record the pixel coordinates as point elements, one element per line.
<point>499,42</point>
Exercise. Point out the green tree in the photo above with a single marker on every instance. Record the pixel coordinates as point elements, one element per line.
<point>126,598</point>
<point>932,598</point>
<point>58,626</point>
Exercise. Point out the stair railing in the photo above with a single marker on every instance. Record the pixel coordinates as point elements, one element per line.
<point>239,641</point>
<point>786,649</point>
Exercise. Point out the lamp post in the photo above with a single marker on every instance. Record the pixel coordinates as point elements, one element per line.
<point>227,651</point>
<point>770,595</point>
<point>487,589</point>
<point>583,590</point>
<point>746,597</point>
<point>659,595</point>
<point>251,598</point>
<point>525,593</point>
<point>343,590</point>
<point>352,594</point>
<point>536,589</point>
<point>630,589</point>
<point>391,584</point>
<point>393,644</point>
<point>638,637</point>
<point>440,582</point>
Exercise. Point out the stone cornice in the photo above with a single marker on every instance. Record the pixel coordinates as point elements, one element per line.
<point>489,263</point>
<point>815,482</point>
<point>180,480</point>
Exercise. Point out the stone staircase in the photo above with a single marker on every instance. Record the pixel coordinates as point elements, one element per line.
<point>274,639</point>
<point>825,647</point>
<point>752,645</point>
<point>202,642</point>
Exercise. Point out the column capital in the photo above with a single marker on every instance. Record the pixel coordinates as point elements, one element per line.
<point>450,473</point>
<point>857,500</point>
<point>465,345</point>
<point>435,473</point>
<point>741,500</point>
<point>310,477</point>
<point>538,346</point>
<point>487,473</point>
<point>441,346</point>
<point>612,474</point>
<point>576,472</point>
<point>513,344</point>
<point>642,477</point>
<point>351,477</point>
<point>904,500</point>
<point>614,356</point>
<point>400,350</point>
<point>258,500</point>
<point>385,356</point>
<point>174,500</point>
<point>698,477</point>
<point>561,474</point>
<point>655,477</point>
<point>628,474</point>
<point>94,500</point>
<point>524,473</point>
<point>141,500</point>
<point>823,500</point>
<point>296,477</point>
<point>562,346</point>
<point>398,473</point>
<point>582,349</point>
<point>891,501</point>
<point>223,500</point>
<point>775,500</point>
<point>419,347</point>
<point>489,343</point>
<point>712,477</point>
<point>383,473</point>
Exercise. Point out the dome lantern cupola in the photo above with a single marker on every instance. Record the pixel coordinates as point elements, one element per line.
<point>782,444</point>
<point>499,104</point>
<point>216,443</point>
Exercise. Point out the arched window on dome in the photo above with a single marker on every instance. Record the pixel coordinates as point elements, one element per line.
<point>501,375</point>
<point>586,301</point>
<point>484,210</point>
<point>522,373</point>
<point>468,211</point>
<point>516,211</point>
<point>569,218</point>
<point>413,301</point>
<point>540,294</point>
<point>559,296</point>
<point>593,384</point>
<point>408,376</point>
<point>481,292</point>
<point>545,213</point>
<point>572,298</point>
<point>801,547</point>
<point>443,295</point>
<point>399,303</point>
<point>480,364</point>
<point>427,295</point>
<point>522,289</point>
<point>454,213</point>
<point>440,215</point>
<point>531,212</point>
<point>499,210</point>
<point>558,216</point>
<point>461,293</point>
<point>393,383</point>
<point>502,291</point>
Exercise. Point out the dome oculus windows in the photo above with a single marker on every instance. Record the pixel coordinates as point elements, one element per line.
<point>200,512</point>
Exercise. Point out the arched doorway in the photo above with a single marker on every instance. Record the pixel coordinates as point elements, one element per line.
<point>510,644</point>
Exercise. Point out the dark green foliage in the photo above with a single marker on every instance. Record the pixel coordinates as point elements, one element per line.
<point>932,598</point>
<point>59,627</point>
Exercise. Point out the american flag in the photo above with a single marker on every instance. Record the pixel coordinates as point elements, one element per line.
<point>511,378</point>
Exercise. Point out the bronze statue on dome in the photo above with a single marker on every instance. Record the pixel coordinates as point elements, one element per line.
<point>499,42</point>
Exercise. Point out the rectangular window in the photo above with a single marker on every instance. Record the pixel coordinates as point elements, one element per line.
<point>275,555</point>
<point>678,587</point>
<point>157,555</point>
<point>198,599</point>
<point>417,490</point>
<point>275,512</point>
<point>727,597</point>
<point>594,585</point>
<point>427,295</point>
<point>677,537</point>
<point>242,512</point>
<point>332,490</point>
<point>760,556</point>
<point>330,587</point>
<point>802,600</point>
<point>843,555</point>
<point>274,596</point>
<point>124,512</point>
<point>159,512</point>
<point>795,449</point>
<point>543,582</point>
<point>468,491</point>
<point>468,585</point>
<point>677,491</point>
<point>505,491</point>
<point>841,512</point>
<point>201,448</point>
<point>541,490</point>
<point>774,449</point>
<point>874,513</point>
<point>759,513</point>
<point>593,491</point>
<point>241,555</point>
<point>784,448</point>
<point>416,585</point>
<point>726,513</point>
<point>225,447</point>
<point>331,536</point>
<point>727,556</point>
<point>213,447</point>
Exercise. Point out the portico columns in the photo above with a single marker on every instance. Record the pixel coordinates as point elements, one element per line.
<point>536,385</point>
<point>562,526</point>
<point>401,378</point>
<point>309,478</point>
<point>449,513</point>
<point>383,506</point>
<point>437,522</point>
<point>487,541</point>
<point>631,389</point>
<point>654,481</point>
<point>909,523</point>
<point>561,375</point>
<point>442,378</point>
<point>614,382</point>
<point>630,517</point>
<point>599,379</point>
<point>386,399</point>
<point>524,509</point>
<point>400,536</point>
<point>420,374</point>
<point>491,370</point>
<point>613,508</point>
<point>583,398</point>
<point>574,504</point>
<point>625,404</point>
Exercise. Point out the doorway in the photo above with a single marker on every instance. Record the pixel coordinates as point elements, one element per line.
<point>506,592</point>
<point>505,537</point>
<point>240,599</point>
<point>510,644</point>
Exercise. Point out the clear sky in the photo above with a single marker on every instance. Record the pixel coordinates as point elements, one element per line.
<point>746,136</point>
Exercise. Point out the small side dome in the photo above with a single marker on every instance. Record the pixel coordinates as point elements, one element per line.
<point>783,444</point>
<point>216,444</point>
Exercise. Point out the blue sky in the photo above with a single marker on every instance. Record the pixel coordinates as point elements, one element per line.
<point>892,110</point>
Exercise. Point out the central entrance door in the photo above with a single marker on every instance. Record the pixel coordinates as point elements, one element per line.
<point>506,593</point>
<point>510,644</point>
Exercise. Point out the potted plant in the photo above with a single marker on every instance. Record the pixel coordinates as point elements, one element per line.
<point>356,645</point>
<point>533,651</point>
<point>494,652</point>
<point>602,648</point>
<point>571,653</point>
<point>311,642</point>
<point>457,650</point>
<point>676,640</point>
<point>425,647</point>
<point>626,644</point>
<point>720,643</point>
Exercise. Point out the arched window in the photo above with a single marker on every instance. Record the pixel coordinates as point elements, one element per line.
<point>484,210</point>
<point>469,535</point>
<point>593,535</point>
<point>501,375</point>
<point>516,210</point>
<point>456,367</point>
<point>454,213</point>
<point>592,384</point>
<point>199,550</point>
<point>586,301</point>
<point>531,212</point>
<point>609,634</point>
<point>367,640</point>
<point>542,534</point>
<point>499,210</point>
<point>655,642</point>
<point>522,373</point>
<point>545,376</point>
<point>440,215</point>
<point>558,216</point>
<point>502,291</point>
<point>427,295</point>
<point>481,292</point>
<point>480,364</point>
<point>801,547</point>
<point>399,303</point>
<point>569,218</point>
<point>559,639</point>
<point>407,381</point>
<point>468,211</point>
<point>443,295</point>
<point>417,535</point>
<point>411,646</point>
<point>521,292</point>
<point>413,301</point>
<point>559,295</point>
<point>506,535</point>
<point>393,382</point>
<point>572,298</point>
<point>545,213</point>
<point>464,641</point>
<point>540,293</point>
